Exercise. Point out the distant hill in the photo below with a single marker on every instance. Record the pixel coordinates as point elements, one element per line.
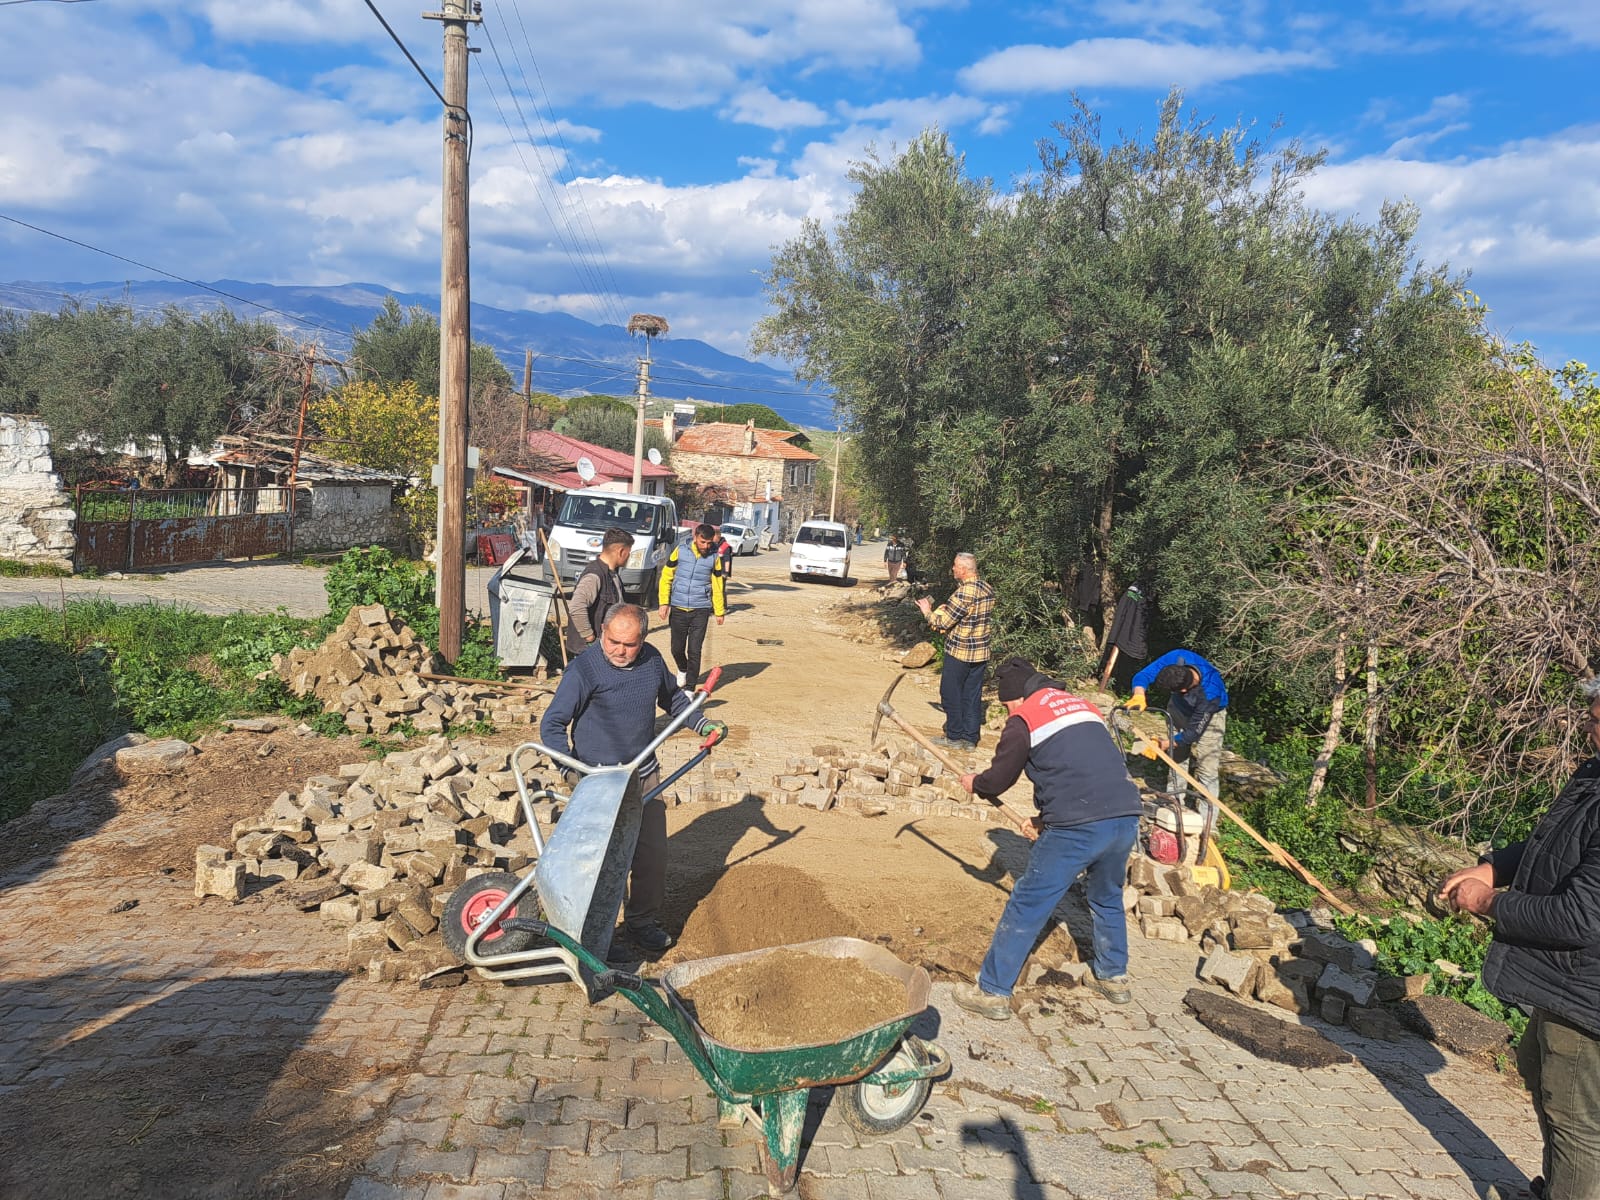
<point>573,355</point>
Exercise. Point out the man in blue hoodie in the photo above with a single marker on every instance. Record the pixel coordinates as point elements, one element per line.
<point>1197,710</point>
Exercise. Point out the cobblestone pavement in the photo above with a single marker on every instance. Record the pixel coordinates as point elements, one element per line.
<point>221,588</point>
<point>502,1091</point>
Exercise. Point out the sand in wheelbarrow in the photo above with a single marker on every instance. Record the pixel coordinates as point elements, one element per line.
<point>756,905</point>
<point>791,997</point>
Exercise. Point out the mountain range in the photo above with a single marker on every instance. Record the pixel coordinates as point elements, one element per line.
<point>572,356</point>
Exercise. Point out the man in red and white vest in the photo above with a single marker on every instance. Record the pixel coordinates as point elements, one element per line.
<point>1087,824</point>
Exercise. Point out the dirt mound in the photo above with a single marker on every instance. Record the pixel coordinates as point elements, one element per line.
<point>792,998</point>
<point>756,906</point>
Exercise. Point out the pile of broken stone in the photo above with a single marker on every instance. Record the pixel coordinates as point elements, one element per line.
<point>1296,960</point>
<point>873,783</point>
<point>378,848</point>
<point>371,671</point>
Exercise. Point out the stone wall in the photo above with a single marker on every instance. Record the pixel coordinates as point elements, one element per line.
<point>335,517</point>
<point>36,517</point>
<point>752,472</point>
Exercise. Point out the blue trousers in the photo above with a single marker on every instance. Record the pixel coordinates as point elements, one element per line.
<point>961,693</point>
<point>1099,851</point>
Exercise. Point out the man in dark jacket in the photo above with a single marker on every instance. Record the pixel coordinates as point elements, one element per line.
<point>1088,820</point>
<point>1546,958</point>
<point>606,704</point>
<point>598,590</point>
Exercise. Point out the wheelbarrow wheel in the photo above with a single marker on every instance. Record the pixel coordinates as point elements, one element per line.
<point>470,905</point>
<point>872,1108</point>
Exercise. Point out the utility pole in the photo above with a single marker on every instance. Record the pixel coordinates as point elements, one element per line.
<point>527,401</point>
<point>455,335</point>
<point>833,496</point>
<point>651,326</point>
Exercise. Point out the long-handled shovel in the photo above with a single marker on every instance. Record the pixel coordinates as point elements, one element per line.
<point>1024,821</point>
<point>1279,855</point>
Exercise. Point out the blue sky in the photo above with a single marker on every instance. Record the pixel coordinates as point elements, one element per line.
<point>647,157</point>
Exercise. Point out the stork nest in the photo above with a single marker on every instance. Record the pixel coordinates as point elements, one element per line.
<point>648,324</point>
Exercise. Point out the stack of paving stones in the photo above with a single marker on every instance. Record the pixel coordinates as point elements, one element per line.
<point>378,848</point>
<point>873,783</point>
<point>1296,961</point>
<point>370,670</point>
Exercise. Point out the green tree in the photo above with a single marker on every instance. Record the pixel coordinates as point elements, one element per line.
<point>104,374</point>
<point>606,422</point>
<point>738,414</point>
<point>402,345</point>
<point>1107,365</point>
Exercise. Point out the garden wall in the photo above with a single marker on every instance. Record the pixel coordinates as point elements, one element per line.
<point>36,517</point>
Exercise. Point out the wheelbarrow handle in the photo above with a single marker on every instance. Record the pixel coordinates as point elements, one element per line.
<point>711,681</point>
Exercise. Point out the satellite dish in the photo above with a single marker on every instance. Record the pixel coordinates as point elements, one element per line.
<point>654,456</point>
<point>585,469</point>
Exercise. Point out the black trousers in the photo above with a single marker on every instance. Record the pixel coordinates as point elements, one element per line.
<point>688,627</point>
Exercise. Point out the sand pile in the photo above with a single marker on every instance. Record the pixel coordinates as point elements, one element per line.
<point>754,906</point>
<point>793,998</point>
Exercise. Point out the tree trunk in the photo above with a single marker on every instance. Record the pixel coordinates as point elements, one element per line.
<point>1330,740</point>
<point>1370,738</point>
<point>1102,537</point>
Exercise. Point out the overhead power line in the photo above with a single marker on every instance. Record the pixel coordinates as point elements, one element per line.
<point>205,287</point>
<point>409,57</point>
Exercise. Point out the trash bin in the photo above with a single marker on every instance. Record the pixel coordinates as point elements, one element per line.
<point>520,594</point>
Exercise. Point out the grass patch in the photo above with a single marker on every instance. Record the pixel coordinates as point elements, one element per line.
<point>72,678</point>
<point>13,569</point>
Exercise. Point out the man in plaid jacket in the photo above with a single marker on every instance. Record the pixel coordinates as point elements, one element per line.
<point>964,619</point>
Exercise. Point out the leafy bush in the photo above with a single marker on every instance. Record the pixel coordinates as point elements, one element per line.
<point>1412,946</point>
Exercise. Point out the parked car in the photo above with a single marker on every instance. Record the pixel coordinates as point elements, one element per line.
<point>742,538</point>
<point>820,548</point>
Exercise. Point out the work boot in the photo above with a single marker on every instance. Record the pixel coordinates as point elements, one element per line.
<point>650,937</point>
<point>1114,988</point>
<point>945,743</point>
<point>986,1004</point>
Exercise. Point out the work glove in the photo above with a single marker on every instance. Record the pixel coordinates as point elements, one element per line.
<point>1148,749</point>
<point>1136,702</point>
<point>708,728</point>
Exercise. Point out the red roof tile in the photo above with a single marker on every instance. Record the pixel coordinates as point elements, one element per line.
<point>723,437</point>
<point>609,465</point>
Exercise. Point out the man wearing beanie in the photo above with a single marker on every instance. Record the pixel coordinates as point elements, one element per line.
<point>1088,820</point>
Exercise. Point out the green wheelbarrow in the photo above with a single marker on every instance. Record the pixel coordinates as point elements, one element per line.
<point>884,1074</point>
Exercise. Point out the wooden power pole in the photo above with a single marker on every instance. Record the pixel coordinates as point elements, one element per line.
<point>652,327</point>
<point>455,335</point>
<point>527,401</point>
<point>833,494</point>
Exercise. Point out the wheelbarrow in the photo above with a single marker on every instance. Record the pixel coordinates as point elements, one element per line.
<point>580,874</point>
<point>884,1074</point>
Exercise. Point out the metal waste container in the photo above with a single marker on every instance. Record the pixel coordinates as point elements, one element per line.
<point>520,594</point>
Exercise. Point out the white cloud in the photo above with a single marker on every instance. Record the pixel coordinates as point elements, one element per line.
<point>1570,21</point>
<point>1125,63</point>
<point>760,106</point>
<point>1520,217</point>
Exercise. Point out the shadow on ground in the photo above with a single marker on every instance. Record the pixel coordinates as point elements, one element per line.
<point>112,1085</point>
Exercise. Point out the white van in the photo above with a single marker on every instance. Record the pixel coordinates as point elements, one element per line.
<point>820,548</point>
<point>582,521</point>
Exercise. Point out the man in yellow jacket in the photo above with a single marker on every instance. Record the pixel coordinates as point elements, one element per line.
<point>693,590</point>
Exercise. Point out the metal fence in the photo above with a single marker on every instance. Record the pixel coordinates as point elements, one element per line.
<point>130,529</point>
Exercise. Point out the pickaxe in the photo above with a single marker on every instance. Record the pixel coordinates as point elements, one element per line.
<point>1152,749</point>
<point>1023,820</point>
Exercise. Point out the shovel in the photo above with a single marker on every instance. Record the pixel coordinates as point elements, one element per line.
<point>1279,855</point>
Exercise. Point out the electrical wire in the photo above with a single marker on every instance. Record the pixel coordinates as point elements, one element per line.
<point>206,287</point>
<point>566,151</point>
<point>411,58</point>
<point>573,246</point>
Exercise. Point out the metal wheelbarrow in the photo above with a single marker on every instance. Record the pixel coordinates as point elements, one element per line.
<point>889,1072</point>
<point>580,875</point>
